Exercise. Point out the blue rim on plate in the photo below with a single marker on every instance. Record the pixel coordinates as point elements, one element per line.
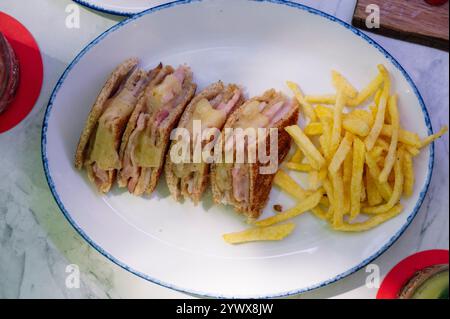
<point>104,10</point>
<point>202,293</point>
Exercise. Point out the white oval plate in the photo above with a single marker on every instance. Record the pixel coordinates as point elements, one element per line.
<point>259,44</point>
<point>121,7</point>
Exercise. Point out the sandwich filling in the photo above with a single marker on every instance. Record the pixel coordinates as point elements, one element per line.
<point>144,150</point>
<point>212,112</point>
<point>103,156</point>
<point>233,180</point>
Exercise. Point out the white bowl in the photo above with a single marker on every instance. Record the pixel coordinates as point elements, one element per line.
<point>259,44</point>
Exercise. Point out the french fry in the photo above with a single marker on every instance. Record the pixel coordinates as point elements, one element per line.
<point>379,119</point>
<point>430,139</point>
<point>298,156</point>
<point>368,91</point>
<point>321,99</point>
<point>408,172</point>
<point>356,126</point>
<point>337,121</point>
<point>396,193</point>
<point>313,179</point>
<point>341,84</point>
<point>314,128</point>
<point>325,201</point>
<point>341,153</point>
<point>404,136</point>
<point>323,112</point>
<point>314,157</point>
<point>372,222</point>
<point>307,108</point>
<point>363,190</point>
<point>299,167</point>
<point>347,167</point>
<point>305,205</point>
<point>377,97</point>
<point>325,139</point>
<point>271,233</point>
<point>364,115</point>
<point>373,196</point>
<point>392,153</point>
<point>384,188</point>
<point>414,151</point>
<point>359,150</point>
<point>318,212</point>
<point>357,99</point>
<point>338,194</point>
<point>376,152</point>
<point>289,185</point>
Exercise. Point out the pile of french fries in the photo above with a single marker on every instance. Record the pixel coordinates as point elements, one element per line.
<point>358,158</point>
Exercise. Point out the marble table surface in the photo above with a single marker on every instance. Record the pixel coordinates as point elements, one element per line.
<point>36,242</point>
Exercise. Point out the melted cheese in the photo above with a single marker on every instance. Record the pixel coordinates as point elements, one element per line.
<point>146,154</point>
<point>209,116</point>
<point>252,117</point>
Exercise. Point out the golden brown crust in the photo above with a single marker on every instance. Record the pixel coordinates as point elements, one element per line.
<point>260,184</point>
<point>165,134</point>
<point>176,189</point>
<point>149,177</point>
<point>114,80</point>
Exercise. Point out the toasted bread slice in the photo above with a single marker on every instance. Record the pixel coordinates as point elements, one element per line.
<point>189,180</point>
<point>111,85</point>
<point>152,124</point>
<point>99,143</point>
<point>256,186</point>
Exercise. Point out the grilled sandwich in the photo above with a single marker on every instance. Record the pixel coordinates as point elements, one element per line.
<point>98,147</point>
<point>147,135</point>
<point>245,185</point>
<point>209,109</point>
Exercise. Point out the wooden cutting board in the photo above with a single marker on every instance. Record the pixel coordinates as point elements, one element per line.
<point>409,20</point>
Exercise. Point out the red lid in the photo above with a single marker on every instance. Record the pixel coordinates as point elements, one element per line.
<point>399,276</point>
<point>31,71</point>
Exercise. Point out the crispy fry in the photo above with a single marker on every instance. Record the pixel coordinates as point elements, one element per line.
<point>359,150</point>
<point>356,126</point>
<point>325,139</point>
<point>321,99</point>
<point>363,190</point>
<point>323,112</point>
<point>379,120</point>
<point>270,233</point>
<point>318,212</point>
<point>404,136</point>
<point>384,188</point>
<point>314,157</point>
<point>307,204</point>
<point>392,153</point>
<point>299,167</point>
<point>372,222</point>
<point>313,178</point>
<point>430,139</point>
<point>298,156</point>
<point>307,108</point>
<point>338,194</point>
<point>373,196</point>
<point>341,84</point>
<point>314,128</point>
<point>377,96</point>
<point>414,151</point>
<point>368,91</point>
<point>396,193</point>
<point>289,185</point>
<point>337,121</point>
<point>364,115</point>
<point>341,153</point>
<point>408,171</point>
